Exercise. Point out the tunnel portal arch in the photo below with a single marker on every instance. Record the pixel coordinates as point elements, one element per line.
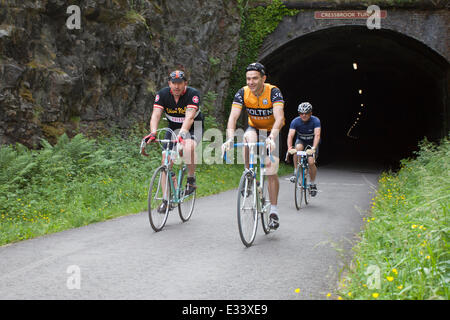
<point>404,83</point>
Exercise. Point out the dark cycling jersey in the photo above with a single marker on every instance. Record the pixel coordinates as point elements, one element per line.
<point>305,130</point>
<point>176,112</point>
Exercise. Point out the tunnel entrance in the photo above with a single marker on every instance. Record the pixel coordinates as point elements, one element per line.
<point>376,92</point>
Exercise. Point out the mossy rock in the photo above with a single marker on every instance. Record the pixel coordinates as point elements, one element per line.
<point>53,130</point>
<point>26,94</point>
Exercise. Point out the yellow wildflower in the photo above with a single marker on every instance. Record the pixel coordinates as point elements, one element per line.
<point>390,279</point>
<point>375,295</point>
<point>395,271</point>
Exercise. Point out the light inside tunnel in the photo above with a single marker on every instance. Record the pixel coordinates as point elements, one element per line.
<point>400,83</point>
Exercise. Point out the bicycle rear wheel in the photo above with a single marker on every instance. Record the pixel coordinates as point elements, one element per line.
<point>298,190</point>
<point>186,204</point>
<point>247,214</point>
<point>265,206</point>
<point>158,193</point>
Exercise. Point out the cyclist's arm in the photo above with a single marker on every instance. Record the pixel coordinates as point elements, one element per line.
<point>278,113</point>
<point>316,138</point>
<point>188,120</point>
<point>290,138</point>
<point>232,119</point>
<point>154,120</point>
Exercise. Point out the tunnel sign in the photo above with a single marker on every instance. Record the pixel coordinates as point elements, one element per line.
<point>346,14</point>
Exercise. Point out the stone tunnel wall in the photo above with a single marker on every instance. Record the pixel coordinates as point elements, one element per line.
<point>427,26</point>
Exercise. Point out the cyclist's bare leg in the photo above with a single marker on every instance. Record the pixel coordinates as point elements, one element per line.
<point>312,168</point>
<point>164,174</point>
<point>189,155</point>
<point>298,147</point>
<point>272,179</point>
<point>273,187</point>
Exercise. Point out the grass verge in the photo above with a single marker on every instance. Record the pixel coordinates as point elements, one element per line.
<point>403,253</point>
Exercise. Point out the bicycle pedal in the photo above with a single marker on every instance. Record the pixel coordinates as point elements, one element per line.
<point>273,225</point>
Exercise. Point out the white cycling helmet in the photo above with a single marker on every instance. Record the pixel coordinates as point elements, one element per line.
<point>304,107</point>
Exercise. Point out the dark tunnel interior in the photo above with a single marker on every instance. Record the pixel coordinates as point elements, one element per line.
<point>404,95</point>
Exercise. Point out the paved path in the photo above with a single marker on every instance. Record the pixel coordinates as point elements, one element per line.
<point>201,259</point>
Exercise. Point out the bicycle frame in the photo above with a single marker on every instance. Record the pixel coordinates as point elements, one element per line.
<point>168,163</point>
<point>254,169</point>
<point>302,161</point>
<point>170,156</point>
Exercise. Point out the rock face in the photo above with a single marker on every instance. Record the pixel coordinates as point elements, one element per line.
<point>54,79</point>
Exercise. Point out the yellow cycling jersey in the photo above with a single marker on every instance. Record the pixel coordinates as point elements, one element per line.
<point>259,109</point>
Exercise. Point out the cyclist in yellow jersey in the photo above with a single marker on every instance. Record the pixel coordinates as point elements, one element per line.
<point>264,104</point>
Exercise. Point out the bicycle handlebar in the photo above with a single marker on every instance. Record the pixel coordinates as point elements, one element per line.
<point>166,141</point>
<point>250,144</point>
<point>144,144</point>
<point>299,153</point>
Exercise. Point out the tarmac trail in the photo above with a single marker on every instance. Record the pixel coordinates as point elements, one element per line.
<point>201,259</point>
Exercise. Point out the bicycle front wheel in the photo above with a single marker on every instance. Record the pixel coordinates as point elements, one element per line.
<point>306,187</point>
<point>159,195</point>
<point>298,190</point>
<point>246,209</point>
<point>187,201</point>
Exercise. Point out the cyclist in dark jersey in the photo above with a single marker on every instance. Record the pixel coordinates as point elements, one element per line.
<point>181,106</point>
<point>306,128</point>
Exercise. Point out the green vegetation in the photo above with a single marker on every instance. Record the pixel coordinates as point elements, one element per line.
<point>404,252</point>
<point>257,23</point>
<point>80,181</point>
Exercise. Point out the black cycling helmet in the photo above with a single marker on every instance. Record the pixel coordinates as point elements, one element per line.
<point>304,107</point>
<point>177,76</point>
<point>256,66</point>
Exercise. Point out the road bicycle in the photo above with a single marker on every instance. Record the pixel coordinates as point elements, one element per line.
<point>167,188</point>
<point>302,189</point>
<point>253,201</point>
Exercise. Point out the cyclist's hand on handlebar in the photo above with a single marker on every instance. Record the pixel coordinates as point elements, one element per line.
<point>226,146</point>
<point>181,137</point>
<point>150,138</point>
<point>310,151</point>
<point>292,151</point>
<point>270,144</point>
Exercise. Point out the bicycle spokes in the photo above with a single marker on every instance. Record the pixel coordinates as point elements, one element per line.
<point>159,198</point>
<point>186,200</point>
<point>247,211</point>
